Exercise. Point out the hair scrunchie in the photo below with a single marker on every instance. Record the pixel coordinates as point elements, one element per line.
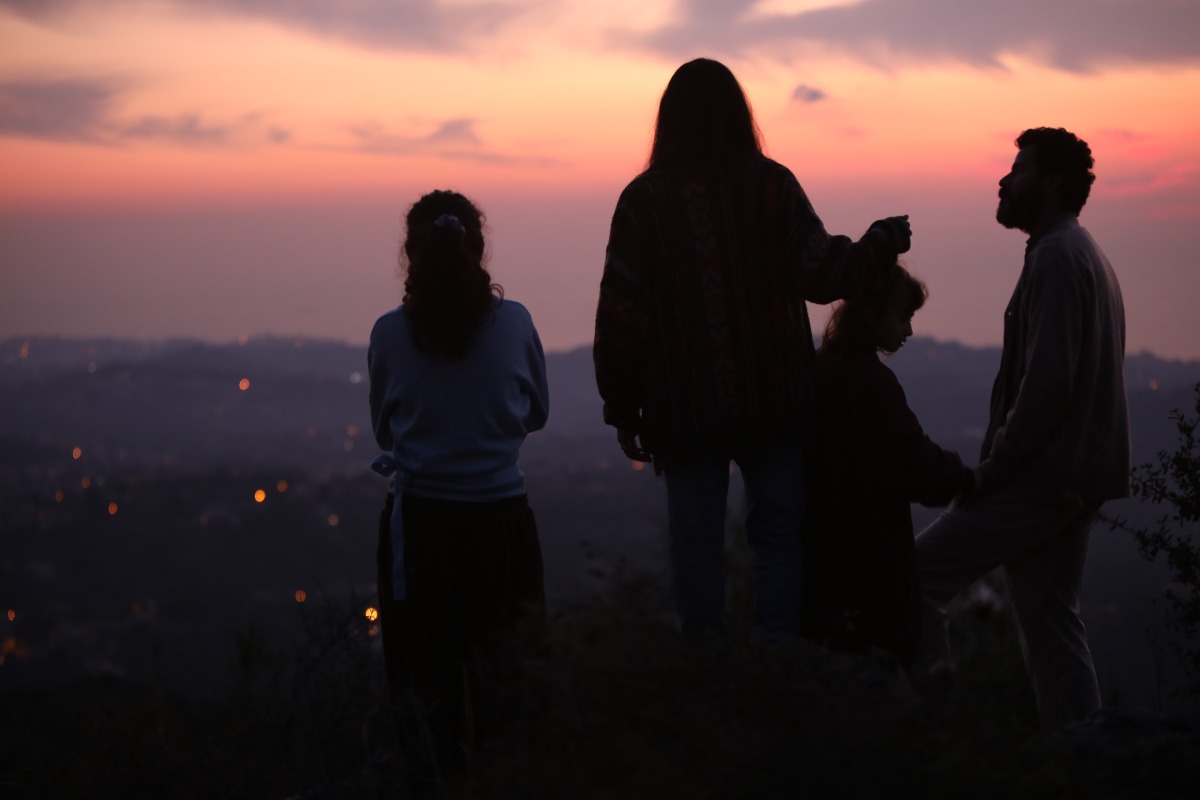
<point>452,222</point>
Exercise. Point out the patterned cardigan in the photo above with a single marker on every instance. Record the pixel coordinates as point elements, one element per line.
<point>703,342</point>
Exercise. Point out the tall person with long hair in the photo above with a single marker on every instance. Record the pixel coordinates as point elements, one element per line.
<point>703,349</point>
<point>458,380</point>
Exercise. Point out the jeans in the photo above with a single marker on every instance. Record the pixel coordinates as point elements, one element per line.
<point>775,498</point>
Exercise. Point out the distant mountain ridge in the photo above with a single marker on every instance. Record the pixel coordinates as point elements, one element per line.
<point>304,394</point>
<point>60,390</point>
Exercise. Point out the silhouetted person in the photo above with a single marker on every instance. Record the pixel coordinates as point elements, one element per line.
<point>870,460</point>
<point>1057,443</point>
<point>703,349</point>
<point>457,381</point>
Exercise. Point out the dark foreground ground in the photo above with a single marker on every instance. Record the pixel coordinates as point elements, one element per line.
<point>607,704</point>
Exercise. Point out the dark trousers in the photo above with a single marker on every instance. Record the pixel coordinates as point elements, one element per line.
<point>473,571</point>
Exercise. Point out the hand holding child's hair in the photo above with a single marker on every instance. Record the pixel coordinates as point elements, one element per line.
<point>900,231</point>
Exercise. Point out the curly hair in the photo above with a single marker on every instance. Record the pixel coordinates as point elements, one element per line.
<point>1058,151</point>
<point>703,117</point>
<point>853,322</point>
<point>447,290</point>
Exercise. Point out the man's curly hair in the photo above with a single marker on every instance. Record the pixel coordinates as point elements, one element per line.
<point>1058,151</point>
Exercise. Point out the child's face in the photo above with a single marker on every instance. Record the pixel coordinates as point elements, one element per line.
<point>895,326</point>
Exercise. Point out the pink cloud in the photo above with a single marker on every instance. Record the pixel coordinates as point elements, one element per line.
<point>1145,183</point>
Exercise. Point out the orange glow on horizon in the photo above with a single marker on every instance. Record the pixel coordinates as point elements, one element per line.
<point>153,181</point>
<point>542,120</point>
<point>874,126</point>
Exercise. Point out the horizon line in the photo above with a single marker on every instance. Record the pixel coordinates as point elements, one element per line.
<point>300,340</point>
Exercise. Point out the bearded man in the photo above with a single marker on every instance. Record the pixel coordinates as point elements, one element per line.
<point>1057,442</point>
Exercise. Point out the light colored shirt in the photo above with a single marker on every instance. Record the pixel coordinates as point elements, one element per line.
<point>455,428</point>
<point>1059,419</point>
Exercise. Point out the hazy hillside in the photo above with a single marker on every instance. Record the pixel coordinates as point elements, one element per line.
<point>147,547</point>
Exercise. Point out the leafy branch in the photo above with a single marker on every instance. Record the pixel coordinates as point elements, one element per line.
<point>1174,482</point>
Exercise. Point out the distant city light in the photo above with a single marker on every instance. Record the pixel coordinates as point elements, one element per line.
<point>12,614</point>
<point>243,340</point>
<point>59,496</point>
<point>281,487</point>
<point>86,482</point>
<point>333,520</point>
<point>24,351</point>
<point>112,509</point>
<point>348,445</point>
<point>244,384</point>
<point>259,495</point>
<point>352,431</point>
<point>77,453</point>
<point>356,377</point>
<point>301,595</point>
<point>371,614</point>
<point>1153,385</point>
<point>638,466</point>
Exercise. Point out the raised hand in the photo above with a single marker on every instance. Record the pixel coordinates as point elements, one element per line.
<point>902,232</point>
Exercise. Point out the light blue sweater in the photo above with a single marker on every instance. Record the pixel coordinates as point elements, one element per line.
<point>454,428</point>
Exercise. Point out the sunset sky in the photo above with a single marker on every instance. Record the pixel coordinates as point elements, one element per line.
<point>217,168</point>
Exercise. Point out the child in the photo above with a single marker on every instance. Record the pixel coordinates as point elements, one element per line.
<point>871,461</point>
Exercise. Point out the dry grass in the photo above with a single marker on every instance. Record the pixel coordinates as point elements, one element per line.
<point>606,703</point>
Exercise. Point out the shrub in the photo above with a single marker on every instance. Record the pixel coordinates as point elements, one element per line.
<point>1173,482</point>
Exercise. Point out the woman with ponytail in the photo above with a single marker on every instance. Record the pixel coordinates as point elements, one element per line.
<point>458,380</point>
